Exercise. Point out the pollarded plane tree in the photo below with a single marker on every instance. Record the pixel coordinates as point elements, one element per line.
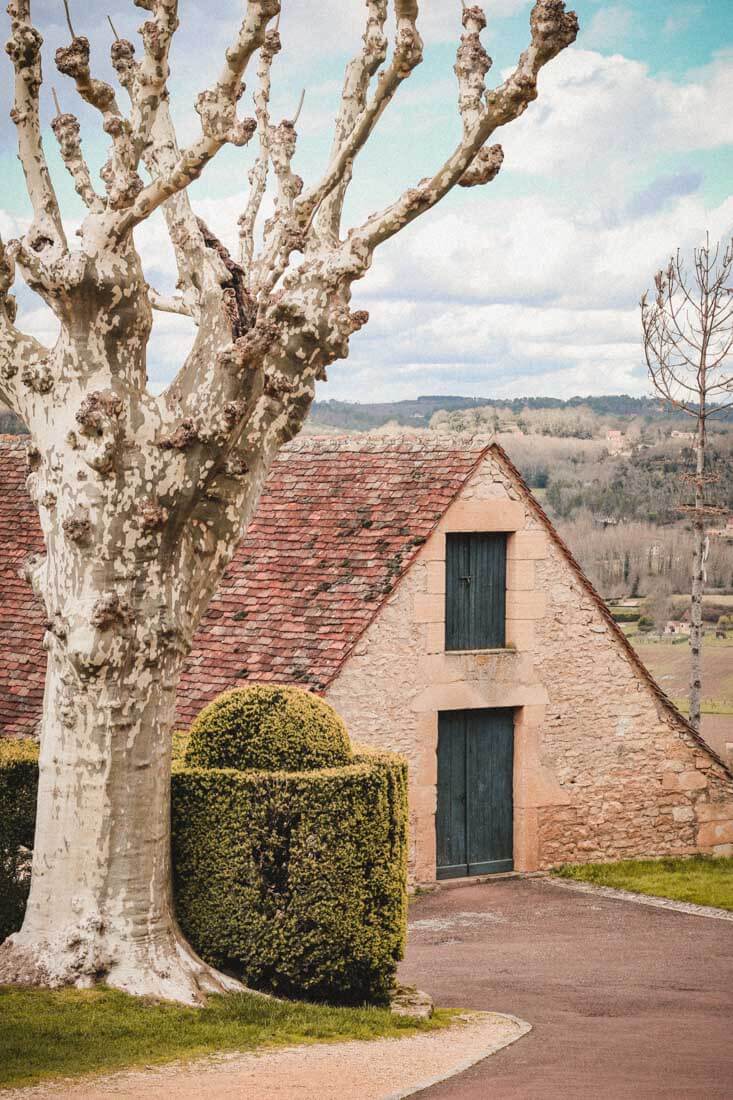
<point>143,498</point>
<point>688,345</point>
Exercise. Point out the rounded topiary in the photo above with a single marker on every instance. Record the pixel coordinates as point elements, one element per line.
<point>269,729</point>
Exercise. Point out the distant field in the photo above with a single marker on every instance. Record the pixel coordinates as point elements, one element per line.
<point>709,597</point>
<point>669,665</point>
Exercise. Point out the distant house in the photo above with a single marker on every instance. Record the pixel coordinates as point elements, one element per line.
<point>724,532</point>
<point>421,589</point>
<point>677,626</point>
<point>615,440</point>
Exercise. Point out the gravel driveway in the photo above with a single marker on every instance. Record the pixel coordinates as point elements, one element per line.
<point>624,1000</point>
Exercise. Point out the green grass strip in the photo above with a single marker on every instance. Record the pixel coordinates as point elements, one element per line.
<point>68,1033</point>
<point>699,879</point>
<point>707,706</point>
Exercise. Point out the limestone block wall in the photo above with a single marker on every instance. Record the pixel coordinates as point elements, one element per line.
<point>603,769</point>
<point>640,782</point>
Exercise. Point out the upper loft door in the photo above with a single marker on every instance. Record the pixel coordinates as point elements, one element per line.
<point>475,812</point>
<point>475,591</point>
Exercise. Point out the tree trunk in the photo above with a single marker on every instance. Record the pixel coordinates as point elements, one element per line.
<point>698,573</point>
<point>100,906</point>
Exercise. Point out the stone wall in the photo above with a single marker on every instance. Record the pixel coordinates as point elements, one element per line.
<point>603,768</point>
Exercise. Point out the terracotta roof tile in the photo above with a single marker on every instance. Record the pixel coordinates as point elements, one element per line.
<point>339,522</point>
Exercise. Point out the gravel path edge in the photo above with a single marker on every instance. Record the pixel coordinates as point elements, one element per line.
<point>523,1028</point>
<point>350,1070</point>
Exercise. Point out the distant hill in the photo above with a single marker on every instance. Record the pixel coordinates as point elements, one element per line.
<point>353,416</point>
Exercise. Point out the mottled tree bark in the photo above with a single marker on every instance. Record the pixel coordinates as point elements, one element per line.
<point>143,499</point>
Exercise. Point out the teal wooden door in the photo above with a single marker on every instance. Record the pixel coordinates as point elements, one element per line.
<point>475,813</point>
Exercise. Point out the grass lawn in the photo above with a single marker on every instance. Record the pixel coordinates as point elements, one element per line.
<point>700,879</point>
<point>707,706</point>
<point>67,1033</point>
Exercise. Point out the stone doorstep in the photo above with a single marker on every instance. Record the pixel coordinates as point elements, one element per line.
<point>417,888</point>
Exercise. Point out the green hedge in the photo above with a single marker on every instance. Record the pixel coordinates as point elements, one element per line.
<point>18,785</point>
<point>625,615</point>
<point>294,880</point>
<point>271,728</point>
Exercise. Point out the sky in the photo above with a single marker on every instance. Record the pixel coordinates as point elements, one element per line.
<point>528,286</point>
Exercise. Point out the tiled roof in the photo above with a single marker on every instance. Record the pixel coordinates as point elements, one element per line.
<point>339,522</point>
<point>22,657</point>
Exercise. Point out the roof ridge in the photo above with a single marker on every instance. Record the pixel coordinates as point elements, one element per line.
<point>397,441</point>
<point>369,443</point>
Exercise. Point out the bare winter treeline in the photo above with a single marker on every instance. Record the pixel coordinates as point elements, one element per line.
<point>621,515</point>
<point>564,422</point>
<point>641,559</point>
<point>642,484</point>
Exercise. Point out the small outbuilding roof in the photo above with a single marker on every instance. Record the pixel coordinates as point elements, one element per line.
<point>22,657</point>
<point>339,521</point>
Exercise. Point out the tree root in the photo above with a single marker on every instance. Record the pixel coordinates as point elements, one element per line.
<point>165,968</point>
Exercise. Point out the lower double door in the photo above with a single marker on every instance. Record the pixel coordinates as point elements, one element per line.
<point>475,812</point>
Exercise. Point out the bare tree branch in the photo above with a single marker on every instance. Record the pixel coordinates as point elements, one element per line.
<point>407,55</point>
<point>258,174</point>
<point>685,349</point>
<point>552,30</point>
<point>24,50</point>
<point>160,156</point>
<point>120,172</point>
<point>217,109</point>
<point>168,304</point>
<point>359,74</point>
<point>23,373</point>
<point>282,234</point>
<point>68,134</point>
<point>153,71</point>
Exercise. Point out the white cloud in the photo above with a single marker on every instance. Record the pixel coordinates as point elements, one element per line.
<point>609,27</point>
<point>537,250</point>
<point>600,119</point>
<point>516,297</point>
<point>678,21</point>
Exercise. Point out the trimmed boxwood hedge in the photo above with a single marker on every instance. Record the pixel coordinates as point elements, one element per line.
<point>18,786</point>
<point>294,880</point>
<point>268,727</point>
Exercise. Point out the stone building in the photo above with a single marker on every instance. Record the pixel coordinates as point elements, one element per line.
<point>422,590</point>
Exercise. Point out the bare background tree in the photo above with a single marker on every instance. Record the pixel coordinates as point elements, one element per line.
<point>143,498</point>
<point>688,338</point>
